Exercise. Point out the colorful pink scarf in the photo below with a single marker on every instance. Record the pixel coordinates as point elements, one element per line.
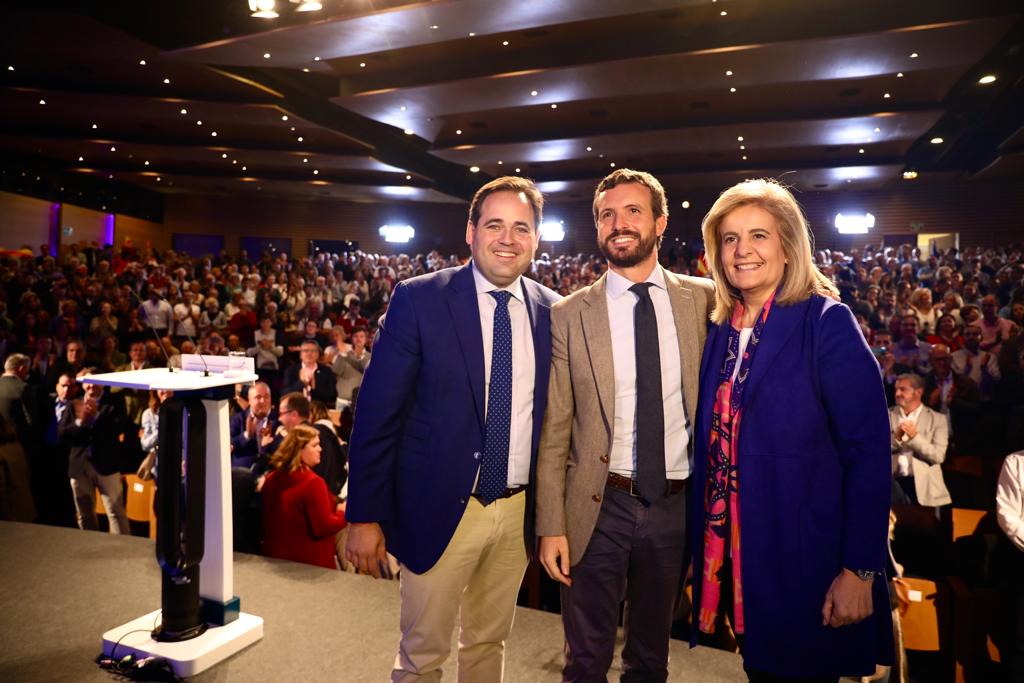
<point>721,493</point>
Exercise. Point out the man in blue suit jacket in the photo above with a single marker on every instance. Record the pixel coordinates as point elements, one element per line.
<point>444,444</point>
<point>249,427</point>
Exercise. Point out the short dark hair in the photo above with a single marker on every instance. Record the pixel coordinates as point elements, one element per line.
<point>298,402</point>
<point>622,176</point>
<point>509,183</point>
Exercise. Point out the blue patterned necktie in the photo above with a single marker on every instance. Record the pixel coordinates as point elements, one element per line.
<point>494,469</point>
<point>650,408</point>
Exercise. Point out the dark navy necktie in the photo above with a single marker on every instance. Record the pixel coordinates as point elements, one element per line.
<point>650,408</point>
<point>494,469</point>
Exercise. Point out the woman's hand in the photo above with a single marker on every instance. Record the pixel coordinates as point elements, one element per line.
<point>848,600</point>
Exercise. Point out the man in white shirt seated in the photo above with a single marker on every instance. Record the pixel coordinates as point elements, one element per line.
<point>919,440</point>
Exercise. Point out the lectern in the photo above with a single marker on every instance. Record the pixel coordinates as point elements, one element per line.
<point>200,622</point>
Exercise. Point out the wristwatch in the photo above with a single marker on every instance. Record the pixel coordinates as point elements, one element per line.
<point>864,574</point>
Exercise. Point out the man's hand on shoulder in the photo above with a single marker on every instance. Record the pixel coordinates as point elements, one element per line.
<point>554,556</point>
<point>365,548</point>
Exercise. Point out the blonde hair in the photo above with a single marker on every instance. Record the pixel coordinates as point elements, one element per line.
<point>800,278</point>
<point>286,457</point>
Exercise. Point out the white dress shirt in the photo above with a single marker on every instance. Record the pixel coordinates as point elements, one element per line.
<point>903,457</point>
<point>523,367</point>
<point>621,303</point>
<point>1010,499</point>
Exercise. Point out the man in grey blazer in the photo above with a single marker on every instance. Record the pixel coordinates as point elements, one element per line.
<point>920,436</point>
<point>615,452</point>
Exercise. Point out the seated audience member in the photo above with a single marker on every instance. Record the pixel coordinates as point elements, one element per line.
<point>333,450</point>
<point>994,330</point>
<point>300,518</point>
<point>349,367</point>
<point>151,432</point>
<point>919,442</point>
<point>252,430</point>
<point>16,502</point>
<point>94,429</point>
<point>311,377</point>
<point>294,410</point>
<point>947,332</point>
<point>981,366</point>
<point>927,315</point>
<point>212,319</point>
<point>266,351</point>
<point>353,317</point>
<point>955,396</point>
<point>910,350</point>
<point>1010,515</point>
<point>135,400</point>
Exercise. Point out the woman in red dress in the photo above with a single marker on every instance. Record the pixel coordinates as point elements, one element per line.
<point>300,517</point>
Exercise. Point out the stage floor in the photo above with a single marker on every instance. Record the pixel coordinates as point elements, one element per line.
<point>62,588</point>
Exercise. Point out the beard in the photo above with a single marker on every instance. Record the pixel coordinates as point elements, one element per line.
<point>642,249</point>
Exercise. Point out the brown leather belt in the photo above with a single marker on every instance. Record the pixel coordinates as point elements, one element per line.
<point>673,486</point>
<point>507,493</point>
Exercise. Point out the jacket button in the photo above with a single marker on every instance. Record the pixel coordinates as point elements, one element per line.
<point>462,501</point>
<point>476,455</point>
<point>604,458</point>
<point>596,497</point>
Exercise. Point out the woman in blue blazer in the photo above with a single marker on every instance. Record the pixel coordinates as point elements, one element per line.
<point>792,455</point>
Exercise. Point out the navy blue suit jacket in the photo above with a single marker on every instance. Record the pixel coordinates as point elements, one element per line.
<point>244,451</point>
<point>814,483</point>
<point>419,421</point>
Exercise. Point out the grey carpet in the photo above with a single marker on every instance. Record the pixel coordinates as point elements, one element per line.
<point>62,588</point>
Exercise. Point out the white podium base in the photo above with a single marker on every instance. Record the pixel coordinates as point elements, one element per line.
<point>188,657</point>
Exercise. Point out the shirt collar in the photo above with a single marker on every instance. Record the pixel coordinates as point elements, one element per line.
<point>617,285</point>
<point>483,285</point>
<point>913,414</point>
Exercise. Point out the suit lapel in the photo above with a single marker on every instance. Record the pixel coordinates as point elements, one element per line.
<point>684,314</point>
<point>465,312</point>
<point>782,323</point>
<point>597,336</point>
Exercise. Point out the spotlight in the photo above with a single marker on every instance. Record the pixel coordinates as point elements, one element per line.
<point>262,9</point>
<point>307,5</point>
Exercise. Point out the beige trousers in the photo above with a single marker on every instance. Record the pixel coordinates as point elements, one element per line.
<point>477,579</point>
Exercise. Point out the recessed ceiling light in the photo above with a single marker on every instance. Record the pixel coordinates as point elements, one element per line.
<point>158,179</point>
<point>408,131</point>
<point>362,65</point>
<point>184,112</point>
<point>145,163</point>
<point>686,204</point>
<point>167,81</point>
<point>316,59</point>
<point>293,129</point>
<point>913,55</point>
<point>42,101</point>
<point>899,75</point>
<point>739,138</point>
<point>94,126</point>
<point>10,68</point>
<point>986,79</point>
<point>284,117</point>
<point>589,148</point>
<point>471,34</point>
<point>402,108</point>
<point>408,177</point>
<point>743,146</point>
<point>886,96</point>
<point>534,93</point>
<point>860,151</point>
<point>504,43</point>
<point>732,89</point>
<point>266,55</point>
<point>723,13</point>
<point>213,133</point>
<point>224,155</point>
<point>458,131</point>
<point>434,27</point>
<point>554,106</point>
<point>243,168</point>
<point>878,130</point>
<point>909,174</point>
<point>612,164</point>
<point>234,161</point>
<point>474,169</point>
<point>142,62</point>
<point>744,157</point>
<point>113,149</point>
<point>81,159</point>
<point>305,69</point>
<point>500,162</point>
<point>316,171</point>
<point>199,122</point>
<point>937,141</point>
<point>517,169</point>
<point>305,160</point>
<point>300,138</point>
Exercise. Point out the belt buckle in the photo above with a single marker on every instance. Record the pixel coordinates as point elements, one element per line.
<point>632,488</point>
